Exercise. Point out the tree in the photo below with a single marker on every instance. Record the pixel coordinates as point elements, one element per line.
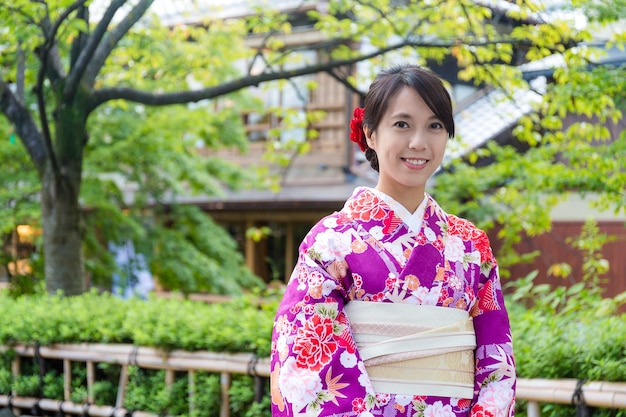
<point>60,70</point>
<point>574,140</point>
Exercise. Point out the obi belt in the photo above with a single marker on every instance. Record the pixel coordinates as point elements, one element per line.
<point>415,350</point>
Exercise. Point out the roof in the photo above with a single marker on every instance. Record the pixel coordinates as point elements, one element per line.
<point>491,114</point>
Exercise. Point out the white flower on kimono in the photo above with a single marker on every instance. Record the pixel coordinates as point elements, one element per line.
<point>404,400</point>
<point>472,258</point>
<point>420,293</point>
<point>299,386</point>
<point>397,251</point>
<point>382,399</point>
<point>315,282</point>
<point>331,245</point>
<point>377,232</point>
<point>315,279</point>
<point>364,379</point>
<point>430,234</point>
<point>438,410</point>
<point>427,296</point>
<point>330,222</point>
<point>348,360</point>
<point>496,396</point>
<point>281,347</point>
<point>328,286</point>
<point>455,282</point>
<point>300,273</point>
<point>454,250</point>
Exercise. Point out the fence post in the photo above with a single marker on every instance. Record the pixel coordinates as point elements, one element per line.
<point>533,409</point>
<point>225,403</point>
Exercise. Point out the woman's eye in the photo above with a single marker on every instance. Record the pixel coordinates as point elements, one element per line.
<point>401,124</point>
<point>436,125</point>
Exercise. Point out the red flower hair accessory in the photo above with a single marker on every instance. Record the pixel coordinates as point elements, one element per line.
<point>356,128</point>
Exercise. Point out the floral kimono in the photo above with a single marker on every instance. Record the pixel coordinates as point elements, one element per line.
<point>374,251</point>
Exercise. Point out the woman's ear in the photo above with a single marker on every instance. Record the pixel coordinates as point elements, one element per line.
<point>368,136</point>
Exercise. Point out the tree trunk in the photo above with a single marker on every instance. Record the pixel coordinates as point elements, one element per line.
<point>60,208</point>
<point>62,236</point>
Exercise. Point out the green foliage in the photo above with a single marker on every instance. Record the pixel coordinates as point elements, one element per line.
<point>562,333</point>
<point>154,153</point>
<point>570,332</point>
<point>567,333</point>
<point>19,189</point>
<point>238,326</point>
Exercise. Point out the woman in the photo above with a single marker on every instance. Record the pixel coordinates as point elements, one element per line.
<point>395,307</point>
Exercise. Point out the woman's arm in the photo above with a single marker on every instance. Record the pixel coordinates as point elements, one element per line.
<point>315,364</point>
<point>495,364</point>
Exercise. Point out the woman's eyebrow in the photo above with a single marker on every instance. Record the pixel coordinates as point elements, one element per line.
<point>401,116</point>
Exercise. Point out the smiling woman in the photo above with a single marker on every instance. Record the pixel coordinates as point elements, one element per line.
<point>409,142</point>
<point>394,306</point>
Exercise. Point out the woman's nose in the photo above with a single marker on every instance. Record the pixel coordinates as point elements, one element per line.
<point>418,141</point>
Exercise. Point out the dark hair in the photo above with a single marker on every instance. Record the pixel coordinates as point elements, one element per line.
<point>389,82</point>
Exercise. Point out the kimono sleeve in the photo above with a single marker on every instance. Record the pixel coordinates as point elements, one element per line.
<point>495,365</point>
<point>315,368</point>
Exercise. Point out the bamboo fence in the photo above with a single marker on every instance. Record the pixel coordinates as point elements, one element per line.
<point>535,391</point>
<point>128,355</point>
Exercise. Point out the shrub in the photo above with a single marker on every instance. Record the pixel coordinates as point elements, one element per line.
<point>242,325</point>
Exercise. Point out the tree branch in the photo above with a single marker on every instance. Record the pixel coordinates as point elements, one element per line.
<point>86,55</point>
<point>51,66</point>
<point>79,42</point>
<point>25,126</point>
<point>105,48</point>
<point>342,79</point>
<point>183,97</point>
<point>55,71</point>
<point>20,77</point>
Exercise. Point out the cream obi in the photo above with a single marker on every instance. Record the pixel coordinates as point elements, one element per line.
<point>413,349</point>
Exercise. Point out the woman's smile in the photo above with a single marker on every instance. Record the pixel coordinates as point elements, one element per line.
<point>415,163</point>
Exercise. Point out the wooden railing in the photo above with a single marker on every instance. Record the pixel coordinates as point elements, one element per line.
<point>128,355</point>
<point>535,391</point>
<point>570,391</point>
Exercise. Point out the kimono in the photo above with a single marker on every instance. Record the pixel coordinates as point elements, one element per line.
<point>375,251</point>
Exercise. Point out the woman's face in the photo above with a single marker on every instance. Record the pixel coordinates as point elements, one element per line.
<point>410,142</point>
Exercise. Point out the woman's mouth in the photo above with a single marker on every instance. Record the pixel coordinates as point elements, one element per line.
<point>415,162</point>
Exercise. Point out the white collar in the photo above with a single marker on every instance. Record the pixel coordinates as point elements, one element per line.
<point>412,220</point>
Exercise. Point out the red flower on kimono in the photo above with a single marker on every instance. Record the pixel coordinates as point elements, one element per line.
<point>345,337</point>
<point>356,129</point>
<point>487,298</point>
<point>315,343</point>
<point>391,222</point>
<point>443,295</point>
<point>463,228</point>
<point>479,411</point>
<point>367,207</point>
<point>421,239</point>
<point>358,405</point>
<point>464,403</point>
<point>483,246</point>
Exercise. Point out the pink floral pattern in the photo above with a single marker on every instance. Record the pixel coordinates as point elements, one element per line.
<point>365,252</point>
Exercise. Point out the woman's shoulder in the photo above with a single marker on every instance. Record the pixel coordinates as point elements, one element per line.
<point>457,225</point>
<point>346,214</point>
<point>464,228</point>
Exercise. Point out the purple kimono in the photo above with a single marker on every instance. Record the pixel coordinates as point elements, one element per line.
<point>374,250</point>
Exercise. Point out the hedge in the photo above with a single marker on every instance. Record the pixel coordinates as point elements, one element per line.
<point>562,333</point>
